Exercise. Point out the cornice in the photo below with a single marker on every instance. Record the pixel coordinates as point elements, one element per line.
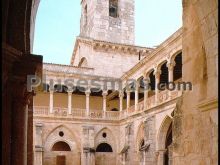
<point>208,105</point>
<point>100,45</point>
<point>70,66</point>
<point>161,47</point>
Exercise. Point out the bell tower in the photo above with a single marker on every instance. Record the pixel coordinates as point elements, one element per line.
<point>108,20</point>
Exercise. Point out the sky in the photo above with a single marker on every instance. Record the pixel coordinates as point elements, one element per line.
<point>58,24</point>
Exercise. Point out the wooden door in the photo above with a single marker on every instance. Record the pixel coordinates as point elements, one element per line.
<point>61,160</point>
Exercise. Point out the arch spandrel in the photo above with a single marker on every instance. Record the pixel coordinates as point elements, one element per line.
<point>68,137</point>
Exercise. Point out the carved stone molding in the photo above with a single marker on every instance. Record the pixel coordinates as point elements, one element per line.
<point>208,105</point>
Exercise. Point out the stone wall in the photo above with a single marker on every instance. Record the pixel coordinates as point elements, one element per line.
<point>195,120</point>
<point>79,134</point>
<point>101,26</point>
<point>109,63</point>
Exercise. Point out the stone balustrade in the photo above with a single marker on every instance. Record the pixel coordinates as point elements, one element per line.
<point>76,113</point>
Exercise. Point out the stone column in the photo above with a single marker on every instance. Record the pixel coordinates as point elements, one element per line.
<point>136,96</point>
<point>38,159</point>
<point>160,157</point>
<point>87,92</point>
<point>170,70</point>
<point>104,94</point>
<point>19,130</point>
<point>144,161</point>
<point>157,82</point>
<point>128,99</point>
<point>121,96</point>
<point>170,67</point>
<point>146,89</point>
<point>51,101</point>
<point>70,102</point>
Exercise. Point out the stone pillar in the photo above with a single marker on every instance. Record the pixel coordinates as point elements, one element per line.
<point>121,96</point>
<point>170,70</point>
<point>88,157</point>
<point>128,99</point>
<point>104,94</point>
<point>144,158</point>
<point>129,133</point>
<point>136,96</point>
<point>146,89</point>
<point>38,159</point>
<point>30,134</point>
<point>160,157</point>
<point>87,92</point>
<point>70,102</point>
<point>19,131</point>
<point>51,101</point>
<point>157,82</point>
<point>170,67</point>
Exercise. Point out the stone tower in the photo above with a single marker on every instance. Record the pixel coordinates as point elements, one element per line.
<point>108,20</point>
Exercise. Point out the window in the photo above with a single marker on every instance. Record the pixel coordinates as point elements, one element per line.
<point>61,133</point>
<point>85,15</point>
<point>61,146</point>
<point>104,135</point>
<point>104,147</point>
<point>113,8</point>
<point>83,62</point>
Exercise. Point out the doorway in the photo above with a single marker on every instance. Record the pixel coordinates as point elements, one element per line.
<point>61,160</point>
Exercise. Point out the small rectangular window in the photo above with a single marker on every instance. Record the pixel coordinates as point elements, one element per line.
<point>113,8</point>
<point>85,15</point>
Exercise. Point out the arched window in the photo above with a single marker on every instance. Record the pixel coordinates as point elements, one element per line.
<point>177,72</point>
<point>104,147</point>
<point>152,80</point>
<point>168,142</point>
<point>164,74</point>
<point>61,146</point>
<point>85,15</point>
<point>83,62</point>
<point>113,8</point>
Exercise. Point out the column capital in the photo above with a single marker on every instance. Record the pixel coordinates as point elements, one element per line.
<point>70,92</point>
<point>171,65</point>
<point>121,94</point>
<point>146,76</point>
<point>87,92</point>
<point>146,79</point>
<point>51,90</point>
<point>137,85</point>
<point>105,93</point>
<point>128,91</point>
<point>157,73</point>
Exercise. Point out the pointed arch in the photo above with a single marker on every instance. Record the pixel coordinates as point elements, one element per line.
<point>105,135</point>
<point>140,135</point>
<point>162,63</point>
<point>162,133</point>
<point>83,62</point>
<point>60,126</point>
<point>174,54</point>
<point>102,130</point>
<point>67,136</point>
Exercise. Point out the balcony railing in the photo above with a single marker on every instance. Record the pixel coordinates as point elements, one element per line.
<point>76,113</point>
